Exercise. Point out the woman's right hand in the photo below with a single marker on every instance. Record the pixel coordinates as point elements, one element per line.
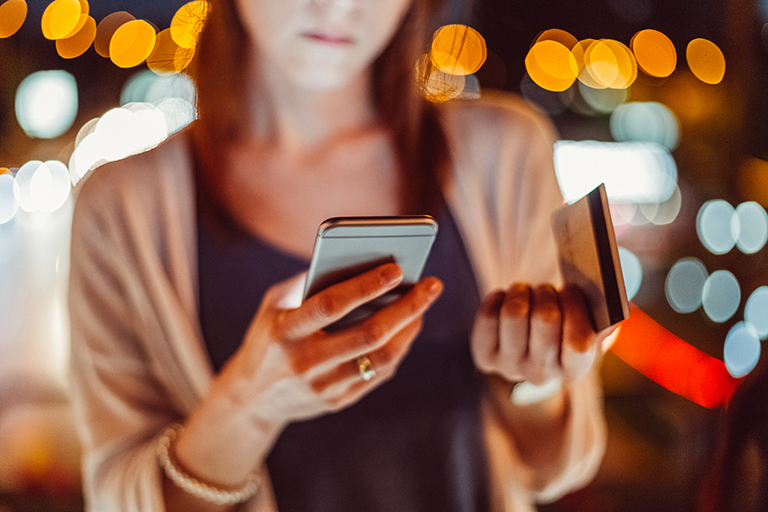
<point>288,368</point>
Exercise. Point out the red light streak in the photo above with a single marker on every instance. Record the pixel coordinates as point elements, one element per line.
<point>671,362</point>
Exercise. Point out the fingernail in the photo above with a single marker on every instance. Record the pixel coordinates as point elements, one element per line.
<point>435,287</point>
<point>391,273</point>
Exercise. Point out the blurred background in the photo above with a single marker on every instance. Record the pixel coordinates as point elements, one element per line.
<point>665,102</point>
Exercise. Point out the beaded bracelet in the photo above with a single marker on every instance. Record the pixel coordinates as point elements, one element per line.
<point>192,485</point>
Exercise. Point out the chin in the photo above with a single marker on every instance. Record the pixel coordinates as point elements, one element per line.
<point>324,79</point>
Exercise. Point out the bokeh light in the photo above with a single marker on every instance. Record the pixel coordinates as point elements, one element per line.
<point>684,285</point>
<point>756,311</point>
<point>42,186</point>
<point>12,16</point>
<point>632,271</point>
<point>551,65</point>
<point>664,213</point>
<point>46,103</point>
<point>8,204</point>
<point>633,172</point>
<point>106,29</point>
<point>561,36</point>
<point>720,296</point>
<point>647,121</point>
<point>603,101</point>
<point>63,18</point>
<point>706,61</point>
<point>742,350</point>
<point>167,56</point>
<point>436,85</point>
<point>655,53</point>
<point>458,50</point>
<point>77,44</point>
<point>188,22</point>
<point>132,43</point>
<point>715,226</point>
<point>120,132</point>
<point>609,63</point>
<point>147,87</point>
<point>753,227</point>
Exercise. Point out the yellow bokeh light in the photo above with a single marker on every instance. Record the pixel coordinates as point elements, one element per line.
<point>5,170</point>
<point>76,45</point>
<point>167,56</point>
<point>106,29</point>
<point>132,43</point>
<point>655,53</point>
<point>626,65</point>
<point>82,20</point>
<point>12,16</point>
<point>551,65</point>
<point>188,22</point>
<point>60,18</point>
<point>561,36</point>
<point>706,61</point>
<point>601,63</point>
<point>458,50</point>
<point>438,86</point>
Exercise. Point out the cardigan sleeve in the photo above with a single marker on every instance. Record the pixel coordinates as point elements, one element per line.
<point>503,191</point>
<point>119,405</point>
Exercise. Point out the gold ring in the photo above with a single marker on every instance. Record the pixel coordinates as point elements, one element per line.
<point>365,368</point>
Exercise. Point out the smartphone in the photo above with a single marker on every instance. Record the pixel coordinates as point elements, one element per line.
<point>348,246</point>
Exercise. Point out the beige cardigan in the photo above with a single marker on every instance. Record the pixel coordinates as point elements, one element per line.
<point>138,361</point>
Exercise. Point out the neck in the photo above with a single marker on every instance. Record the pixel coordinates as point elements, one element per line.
<point>297,119</point>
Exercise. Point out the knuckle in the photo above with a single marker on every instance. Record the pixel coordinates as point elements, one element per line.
<point>516,306</point>
<point>371,333</point>
<point>548,313</point>
<point>326,305</point>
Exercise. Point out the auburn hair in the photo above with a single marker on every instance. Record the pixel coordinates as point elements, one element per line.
<point>417,136</point>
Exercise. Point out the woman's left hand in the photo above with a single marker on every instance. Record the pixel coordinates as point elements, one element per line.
<point>534,334</point>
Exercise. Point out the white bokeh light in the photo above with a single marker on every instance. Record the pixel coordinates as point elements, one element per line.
<point>46,103</point>
<point>684,284</point>
<point>119,133</point>
<point>753,227</point>
<point>647,121</point>
<point>633,172</point>
<point>42,186</point>
<point>8,204</point>
<point>741,351</point>
<point>756,311</point>
<point>632,271</point>
<point>721,296</point>
<point>717,226</point>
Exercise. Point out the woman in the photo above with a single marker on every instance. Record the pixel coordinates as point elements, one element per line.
<point>184,311</point>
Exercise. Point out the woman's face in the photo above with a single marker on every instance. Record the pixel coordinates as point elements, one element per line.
<point>320,44</point>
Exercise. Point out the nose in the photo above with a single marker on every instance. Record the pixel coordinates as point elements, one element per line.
<point>339,6</point>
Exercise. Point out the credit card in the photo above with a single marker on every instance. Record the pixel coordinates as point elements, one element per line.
<point>589,256</point>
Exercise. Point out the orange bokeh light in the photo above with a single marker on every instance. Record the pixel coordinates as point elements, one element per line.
<point>655,53</point>
<point>610,64</point>
<point>167,56</point>
<point>561,36</point>
<point>188,22</point>
<point>706,61</point>
<point>458,50</point>
<point>64,18</point>
<point>77,44</point>
<point>12,16</point>
<point>132,43</point>
<point>551,65</point>
<point>106,29</point>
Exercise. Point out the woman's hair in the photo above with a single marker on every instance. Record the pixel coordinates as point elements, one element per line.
<point>418,138</point>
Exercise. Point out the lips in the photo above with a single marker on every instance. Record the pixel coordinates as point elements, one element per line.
<point>328,38</point>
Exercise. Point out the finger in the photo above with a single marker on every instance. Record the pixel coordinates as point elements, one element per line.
<point>286,294</point>
<point>384,361</point>
<point>542,363</point>
<point>377,330</point>
<point>485,332</point>
<point>515,325</point>
<point>333,303</point>
<point>579,339</point>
